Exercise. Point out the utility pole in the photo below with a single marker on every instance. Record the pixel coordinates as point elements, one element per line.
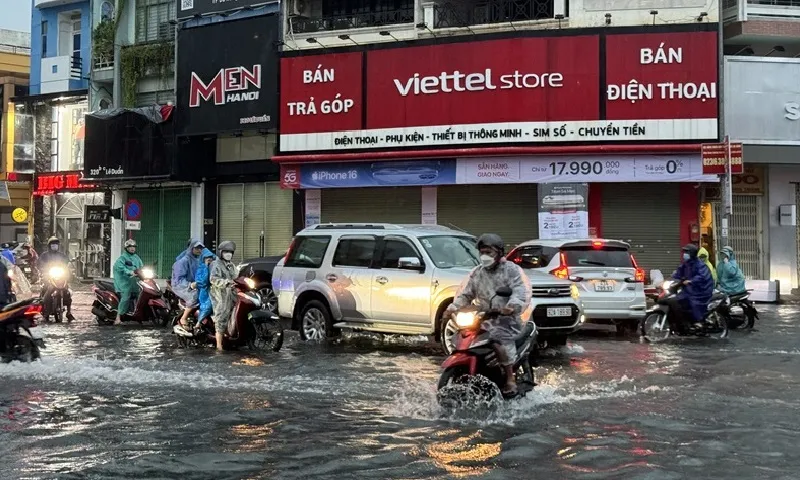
<point>725,180</point>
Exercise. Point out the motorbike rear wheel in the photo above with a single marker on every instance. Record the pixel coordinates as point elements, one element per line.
<point>24,350</point>
<point>717,326</point>
<point>655,327</point>
<point>268,335</point>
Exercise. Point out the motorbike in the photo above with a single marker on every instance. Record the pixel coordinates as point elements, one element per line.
<point>473,363</point>
<point>739,311</point>
<point>659,324</point>
<point>57,280</point>
<point>250,325</point>
<point>20,339</point>
<point>149,306</point>
<point>29,270</point>
<point>173,301</point>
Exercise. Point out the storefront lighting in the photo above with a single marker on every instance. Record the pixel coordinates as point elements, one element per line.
<point>702,16</point>
<point>608,19</point>
<point>281,43</point>
<point>424,26</point>
<point>654,13</point>
<point>347,37</point>
<point>776,48</point>
<point>559,17</point>
<point>746,51</point>
<point>386,33</point>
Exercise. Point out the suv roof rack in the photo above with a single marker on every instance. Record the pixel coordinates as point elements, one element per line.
<point>352,226</point>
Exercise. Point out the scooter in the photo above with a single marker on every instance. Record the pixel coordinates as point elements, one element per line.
<point>659,324</point>
<point>149,306</point>
<point>739,301</point>
<point>474,356</point>
<point>249,324</point>
<point>57,280</point>
<point>20,339</point>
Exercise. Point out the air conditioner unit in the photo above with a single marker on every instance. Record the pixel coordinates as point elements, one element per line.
<point>300,8</point>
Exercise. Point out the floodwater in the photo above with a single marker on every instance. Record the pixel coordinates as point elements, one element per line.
<point>124,402</point>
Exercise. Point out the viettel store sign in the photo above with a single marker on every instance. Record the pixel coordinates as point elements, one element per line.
<point>657,86</point>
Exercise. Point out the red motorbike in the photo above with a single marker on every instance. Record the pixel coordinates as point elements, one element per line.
<point>149,306</point>
<point>250,324</point>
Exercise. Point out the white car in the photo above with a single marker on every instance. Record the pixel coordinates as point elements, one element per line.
<point>610,283</point>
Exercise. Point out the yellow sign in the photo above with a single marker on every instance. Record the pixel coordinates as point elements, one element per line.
<point>20,215</point>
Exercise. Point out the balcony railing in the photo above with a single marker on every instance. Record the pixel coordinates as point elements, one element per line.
<point>740,10</point>
<point>76,67</point>
<point>15,49</point>
<point>456,14</point>
<point>353,20</point>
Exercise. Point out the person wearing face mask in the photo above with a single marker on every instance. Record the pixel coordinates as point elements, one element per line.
<point>493,273</point>
<point>183,272</point>
<point>223,297</point>
<point>731,278</point>
<point>698,287</point>
<point>51,258</point>
<point>125,281</point>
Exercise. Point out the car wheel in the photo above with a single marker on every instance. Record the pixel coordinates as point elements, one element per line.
<point>448,328</point>
<point>557,341</point>
<point>626,327</point>
<point>316,322</point>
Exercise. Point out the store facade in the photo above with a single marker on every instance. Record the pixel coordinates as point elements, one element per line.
<point>131,152</point>
<point>465,133</point>
<point>762,110</point>
<point>227,128</point>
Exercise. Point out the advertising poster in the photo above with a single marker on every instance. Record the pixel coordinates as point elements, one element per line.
<point>429,204</point>
<point>376,174</point>
<point>563,211</point>
<point>313,207</point>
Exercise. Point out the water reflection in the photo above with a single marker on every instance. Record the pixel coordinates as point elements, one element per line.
<point>604,448</point>
<point>462,456</point>
<point>248,438</point>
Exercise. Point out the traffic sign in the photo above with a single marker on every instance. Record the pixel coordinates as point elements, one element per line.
<point>129,225</point>
<point>133,210</point>
<point>715,158</point>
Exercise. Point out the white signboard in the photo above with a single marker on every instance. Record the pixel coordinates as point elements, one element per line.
<point>563,212</point>
<point>429,199</point>
<point>566,169</point>
<point>313,211</point>
<point>131,225</point>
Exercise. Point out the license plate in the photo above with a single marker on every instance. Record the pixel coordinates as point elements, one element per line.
<point>27,270</point>
<point>603,286</point>
<point>36,333</point>
<point>559,312</point>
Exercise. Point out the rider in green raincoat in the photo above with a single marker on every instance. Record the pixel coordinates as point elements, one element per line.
<point>125,281</point>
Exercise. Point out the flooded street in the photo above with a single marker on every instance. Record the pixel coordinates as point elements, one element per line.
<point>123,403</point>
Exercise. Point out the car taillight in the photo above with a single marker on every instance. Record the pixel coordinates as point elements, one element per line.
<point>639,275</point>
<point>562,271</point>
<point>597,244</point>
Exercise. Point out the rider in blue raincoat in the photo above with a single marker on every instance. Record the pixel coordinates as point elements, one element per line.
<point>203,282</point>
<point>731,278</point>
<point>698,284</point>
<point>183,272</point>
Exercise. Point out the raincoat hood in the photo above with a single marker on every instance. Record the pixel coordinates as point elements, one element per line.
<point>206,254</point>
<point>702,252</point>
<point>728,252</point>
<point>189,246</point>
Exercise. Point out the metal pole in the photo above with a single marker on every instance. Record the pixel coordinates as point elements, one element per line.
<point>725,181</point>
<point>727,198</point>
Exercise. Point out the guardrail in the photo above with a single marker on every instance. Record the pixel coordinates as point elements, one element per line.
<point>16,49</point>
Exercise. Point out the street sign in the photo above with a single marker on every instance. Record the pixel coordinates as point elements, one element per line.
<point>133,210</point>
<point>20,215</point>
<point>130,225</point>
<point>97,214</point>
<point>715,155</point>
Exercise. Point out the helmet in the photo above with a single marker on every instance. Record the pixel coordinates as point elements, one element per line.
<point>491,240</point>
<point>53,240</point>
<point>226,246</point>
<point>130,243</point>
<point>691,249</point>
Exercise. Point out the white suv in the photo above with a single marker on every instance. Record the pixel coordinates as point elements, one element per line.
<point>611,284</point>
<point>387,278</point>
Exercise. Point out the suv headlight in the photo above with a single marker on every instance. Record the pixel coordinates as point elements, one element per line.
<point>465,319</point>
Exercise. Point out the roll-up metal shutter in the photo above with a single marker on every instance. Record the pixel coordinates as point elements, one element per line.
<point>279,216</point>
<point>230,214</point>
<point>646,215</point>
<point>510,211</point>
<point>744,232</point>
<point>377,205</point>
<point>253,219</point>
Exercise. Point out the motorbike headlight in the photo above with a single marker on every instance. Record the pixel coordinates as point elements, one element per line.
<point>251,284</point>
<point>57,273</point>
<point>573,291</point>
<point>465,319</point>
<point>146,273</point>
<point>667,284</point>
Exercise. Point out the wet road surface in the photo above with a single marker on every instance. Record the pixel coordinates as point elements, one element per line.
<point>120,403</point>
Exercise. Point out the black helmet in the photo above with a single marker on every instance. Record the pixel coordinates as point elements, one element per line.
<point>691,249</point>
<point>491,240</point>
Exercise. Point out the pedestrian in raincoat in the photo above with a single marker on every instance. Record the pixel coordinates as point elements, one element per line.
<point>223,271</point>
<point>203,282</point>
<point>125,282</point>
<point>731,278</point>
<point>698,286</point>
<point>702,254</point>
<point>493,273</point>
<point>183,273</point>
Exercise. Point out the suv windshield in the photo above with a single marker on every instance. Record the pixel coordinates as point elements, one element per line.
<point>598,257</point>
<point>448,251</point>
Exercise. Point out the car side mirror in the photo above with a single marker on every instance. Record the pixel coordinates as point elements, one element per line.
<point>409,263</point>
<point>504,292</point>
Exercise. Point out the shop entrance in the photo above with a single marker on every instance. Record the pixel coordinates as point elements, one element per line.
<point>165,226</point>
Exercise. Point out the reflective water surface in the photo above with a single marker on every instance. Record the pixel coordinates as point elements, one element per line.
<point>126,403</point>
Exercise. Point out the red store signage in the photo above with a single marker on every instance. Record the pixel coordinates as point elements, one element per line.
<point>58,182</point>
<point>659,86</point>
